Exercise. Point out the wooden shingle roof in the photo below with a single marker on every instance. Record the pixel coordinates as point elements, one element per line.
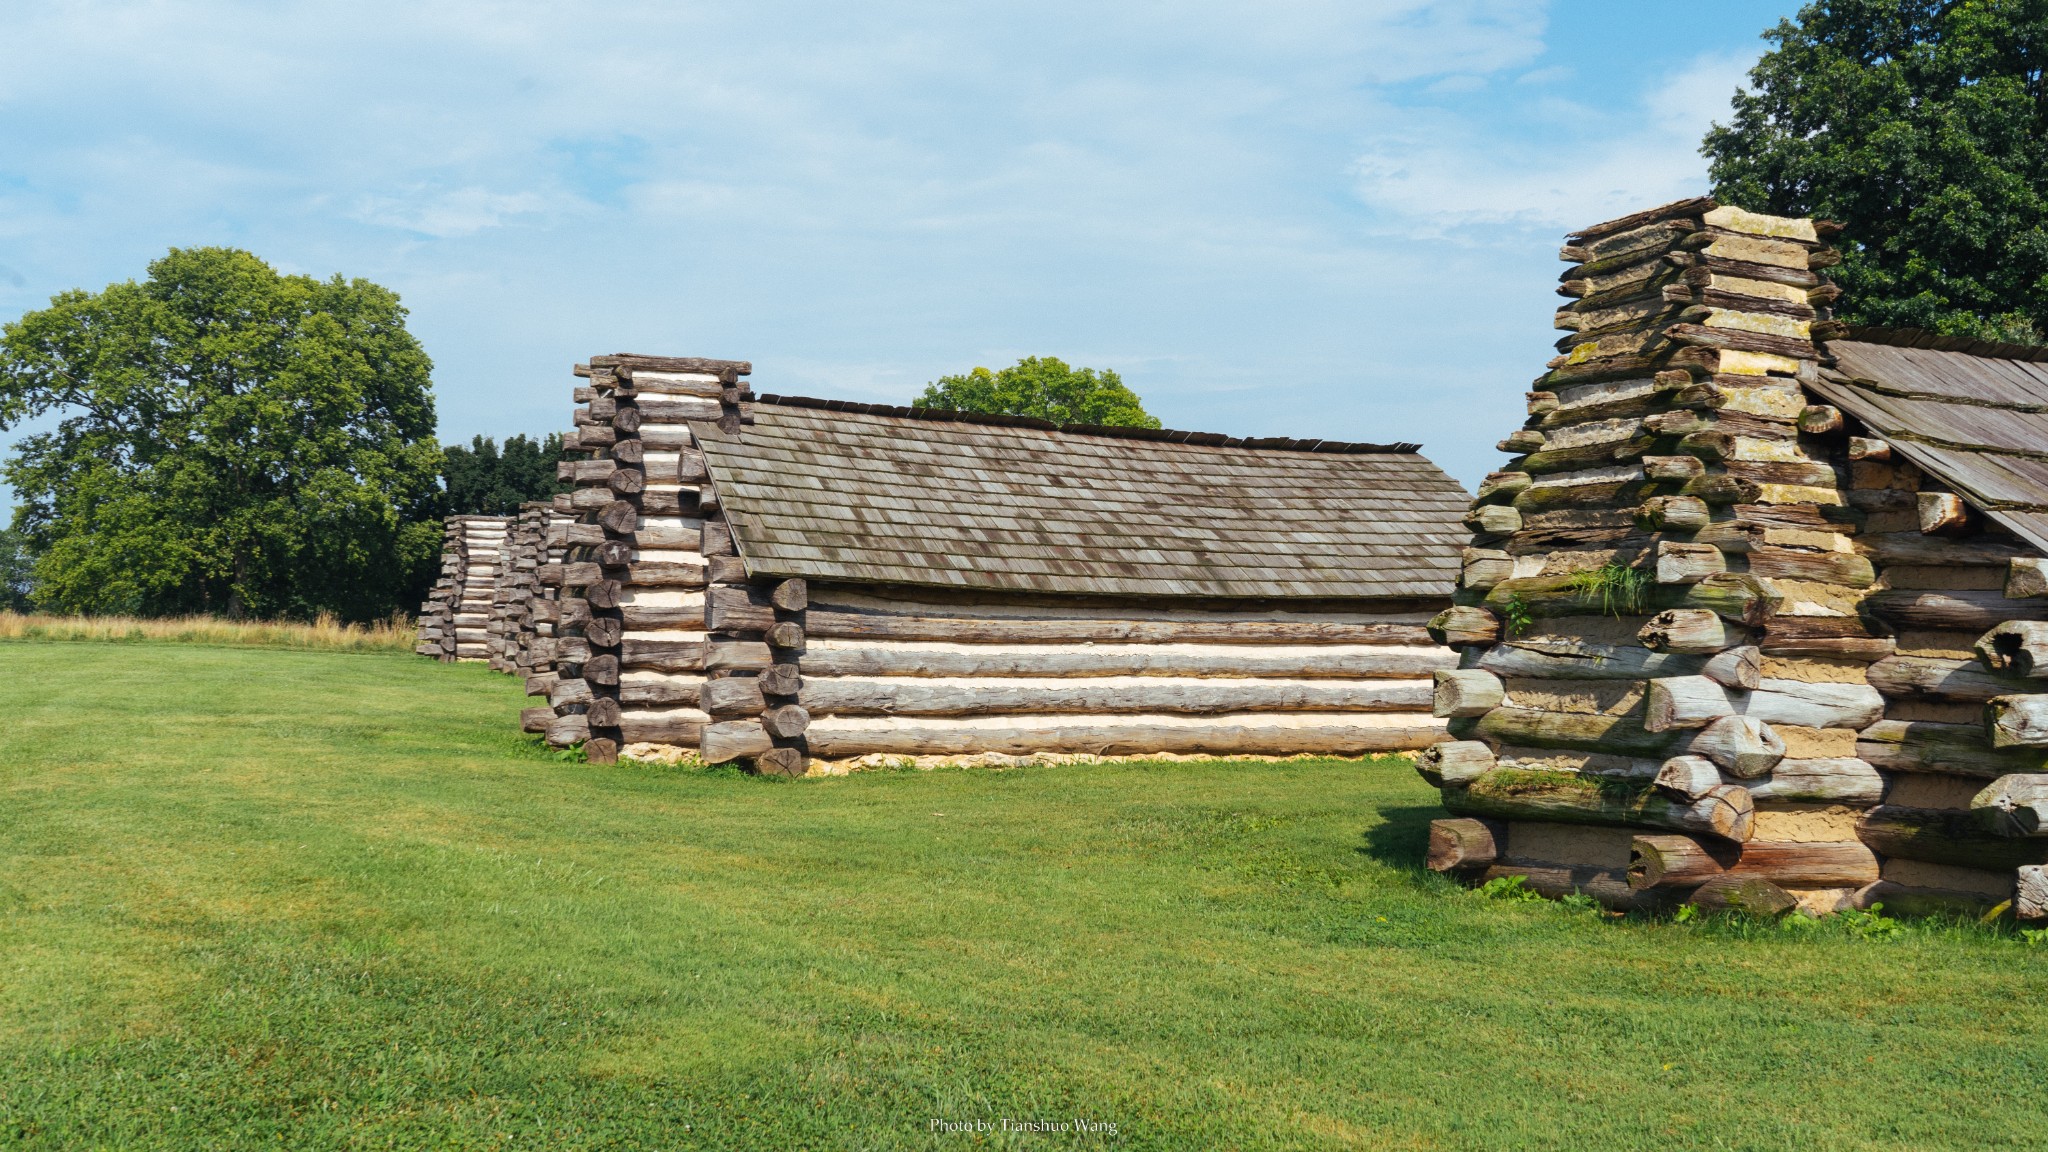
<point>1972,413</point>
<point>868,494</point>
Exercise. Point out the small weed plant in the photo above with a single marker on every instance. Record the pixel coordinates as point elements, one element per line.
<point>1620,590</point>
<point>1517,615</point>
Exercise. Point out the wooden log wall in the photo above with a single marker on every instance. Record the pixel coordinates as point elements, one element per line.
<point>523,610</point>
<point>455,620</point>
<point>1661,620</point>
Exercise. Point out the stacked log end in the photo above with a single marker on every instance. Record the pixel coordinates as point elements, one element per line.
<point>456,619</point>
<point>1661,680</point>
<point>523,611</point>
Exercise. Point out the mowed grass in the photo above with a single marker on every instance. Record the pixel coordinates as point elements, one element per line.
<point>261,898</point>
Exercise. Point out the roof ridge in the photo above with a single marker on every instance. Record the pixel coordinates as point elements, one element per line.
<point>1967,345</point>
<point>1169,435</point>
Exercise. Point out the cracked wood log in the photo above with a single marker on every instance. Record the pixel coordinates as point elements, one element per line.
<point>2018,721</point>
<point>2014,805</point>
<point>731,696</point>
<point>568,730</point>
<point>1232,661</point>
<point>1741,668</point>
<point>1510,794</point>
<point>1689,776</point>
<point>781,680</point>
<point>1466,692</point>
<point>1542,660</point>
<point>1674,514</point>
<point>791,595</point>
<point>1939,678</point>
<point>1742,746</point>
<point>1688,563</point>
<point>1464,844</point>
<point>2030,900</point>
<point>1778,701</point>
<point>843,696</point>
<point>2016,648</point>
<point>786,721</point>
<point>1667,860</point>
<point>1842,636</point>
<point>733,740</point>
<point>737,656</point>
<point>1961,611</point>
<point>1835,780</point>
<point>789,762</point>
<point>1945,836</point>
<point>1454,763</point>
<point>1536,728</point>
<point>1686,631</point>
<point>1464,626</point>
<point>1685,702</point>
<point>662,655</point>
<point>731,608</point>
<point>681,727</point>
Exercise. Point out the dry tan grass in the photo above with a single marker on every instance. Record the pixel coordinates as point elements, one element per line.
<point>324,634</point>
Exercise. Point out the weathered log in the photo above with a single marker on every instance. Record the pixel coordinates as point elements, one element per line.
<point>1961,611</point>
<point>603,631</point>
<point>717,538</point>
<point>1674,514</point>
<point>1844,636</point>
<point>2014,805</point>
<point>786,721</point>
<point>1464,625</point>
<point>1454,763</point>
<point>1689,776</point>
<point>620,516</point>
<point>1736,668</point>
<point>780,680</point>
<point>603,712</point>
<point>1485,567</point>
<point>1742,746</point>
<point>2016,647</point>
<point>842,625</point>
<point>1512,794</point>
<point>603,594</point>
<point>1464,844</point>
<point>567,692</point>
<point>1736,596</point>
<point>682,727</point>
<point>786,634</point>
<point>1586,661</point>
<point>1746,895</point>
<point>733,740</point>
<point>662,655</point>
<point>1503,484</point>
<point>1839,780</point>
<point>1466,692</point>
<point>791,595</point>
<point>2026,576</point>
<point>733,696</point>
<point>1665,860</point>
<point>731,608</point>
<point>602,669</point>
<point>1688,563</point>
<point>2018,721</point>
<point>790,762</point>
<point>656,617</point>
<point>1270,733</point>
<point>1868,448</point>
<point>737,655</point>
<point>2030,899</point>
<point>1622,735</point>
<point>1944,749</point>
<point>568,730</point>
<point>1923,900</point>
<point>1944,514</point>
<point>1912,548</point>
<point>1678,468</point>
<point>644,692</point>
<point>1685,630</point>
<point>536,719</point>
<point>847,696</point>
<point>666,574</point>
<point>1938,678</point>
<point>1685,702</point>
<point>1846,569</point>
<point>1493,519</point>
<point>1232,661</point>
<point>1779,701</point>
<point>1945,836</point>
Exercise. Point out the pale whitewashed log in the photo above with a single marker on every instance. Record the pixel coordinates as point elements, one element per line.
<point>1742,746</point>
<point>2018,721</point>
<point>1464,844</point>
<point>1840,780</point>
<point>1685,631</point>
<point>1467,692</point>
<point>1275,734</point>
<point>1725,811</point>
<point>850,658</point>
<point>831,624</point>
<point>1779,701</point>
<point>2014,805</point>
<point>733,740</point>
<point>1587,661</point>
<point>677,409</point>
<point>2026,576</point>
<point>1455,763</point>
<point>2016,647</point>
<point>1688,563</point>
<point>1944,749</point>
<point>1741,668</point>
<point>676,384</point>
<point>916,696</point>
<point>1685,702</point>
<point>2030,901</point>
<point>1689,776</point>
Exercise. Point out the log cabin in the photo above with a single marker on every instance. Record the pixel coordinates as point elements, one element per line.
<point>798,584</point>
<point>455,619</point>
<point>1750,618</point>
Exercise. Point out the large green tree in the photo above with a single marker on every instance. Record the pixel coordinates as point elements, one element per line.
<point>1922,125</point>
<point>226,440</point>
<point>1042,386</point>
<point>482,480</point>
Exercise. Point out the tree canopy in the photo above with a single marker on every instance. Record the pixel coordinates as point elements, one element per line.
<point>1921,125</point>
<point>1042,386</point>
<point>228,440</point>
<point>483,480</point>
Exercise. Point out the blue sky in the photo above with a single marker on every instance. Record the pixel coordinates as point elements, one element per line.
<point>1311,219</point>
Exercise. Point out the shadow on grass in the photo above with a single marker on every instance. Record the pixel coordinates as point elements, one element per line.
<point>1401,838</point>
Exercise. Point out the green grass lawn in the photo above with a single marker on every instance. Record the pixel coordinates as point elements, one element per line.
<point>253,898</point>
